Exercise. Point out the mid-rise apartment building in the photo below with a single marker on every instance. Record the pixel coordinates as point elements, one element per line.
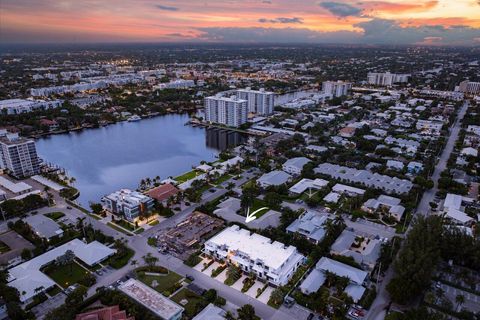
<point>19,156</point>
<point>127,203</point>
<point>336,88</point>
<point>229,111</point>
<point>269,261</point>
<point>469,87</point>
<point>258,101</point>
<point>386,78</point>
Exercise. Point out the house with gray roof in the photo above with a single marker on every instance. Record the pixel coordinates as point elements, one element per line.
<point>311,225</point>
<point>317,277</point>
<point>44,227</point>
<point>391,204</point>
<point>295,165</point>
<point>365,178</point>
<point>364,249</point>
<point>274,178</point>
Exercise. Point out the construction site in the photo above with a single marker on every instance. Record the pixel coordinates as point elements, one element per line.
<point>188,236</point>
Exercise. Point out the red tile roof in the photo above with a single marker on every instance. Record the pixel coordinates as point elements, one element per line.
<point>163,192</point>
<point>107,313</point>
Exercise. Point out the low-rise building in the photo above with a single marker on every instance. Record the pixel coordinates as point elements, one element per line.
<point>273,178</point>
<point>366,178</point>
<point>44,227</point>
<point>270,261</point>
<point>317,277</point>
<point>154,301</point>
<point>30,281</point>
<point>163,192</point>
<point>385,203</point>
<point>295,165</point>
<point>311,225</point>
<point>307,184</point>
<point>364,249</point>
<point>127,203</point>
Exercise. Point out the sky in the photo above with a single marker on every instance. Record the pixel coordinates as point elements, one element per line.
<point>429,22</point>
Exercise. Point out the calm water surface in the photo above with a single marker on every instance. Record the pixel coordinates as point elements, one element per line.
<point>119,156</point>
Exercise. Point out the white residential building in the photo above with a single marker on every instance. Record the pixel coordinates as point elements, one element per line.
<point>127,203</point>
<point>258,101</point>
<point>386,78</point>
<point>366,178</point>
<point>19,156</point>
<point>270,261</point>
<point>18,106</point>
<point>469,87</point>
<point>228,111</point>
<point>336,88</point>
<point>295,165</point>
<point>273,178</point>
<point>176,84</point>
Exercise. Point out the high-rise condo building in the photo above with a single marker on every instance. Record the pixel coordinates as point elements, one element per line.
<point>229,111</point>
<point>19,156</point>
<point>386,78</point>
<point>258,101</point>
<point>336,88</point>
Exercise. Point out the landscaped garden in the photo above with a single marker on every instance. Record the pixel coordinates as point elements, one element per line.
<point>194,304</point>
<point>164,282</point>
<point>187,176</point>
<point>55,215</point>
<point>66,275</point>
<point>3,247</point>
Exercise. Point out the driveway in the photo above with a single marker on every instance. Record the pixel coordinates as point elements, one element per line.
<point>222,276</point>
<point>212,267</point>
<point>265,296</point>
<point>239,284</point>
<point>252,292</point>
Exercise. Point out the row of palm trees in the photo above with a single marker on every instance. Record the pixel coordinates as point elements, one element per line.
<point>147,183</point>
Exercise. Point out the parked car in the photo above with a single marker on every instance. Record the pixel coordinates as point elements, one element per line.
<point>189,277</point>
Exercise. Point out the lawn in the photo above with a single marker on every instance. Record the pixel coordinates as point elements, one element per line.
<point>153,223</point>
<point>3,247</point>
<point>114,226</point>
<point>164,282</point>
<point>192,298</point>
<point>257,204</point>
<point>222,179</point>
<point>66,275</point>
<point>125,224</point>
<point>55,215</point>
<point>187,176</point>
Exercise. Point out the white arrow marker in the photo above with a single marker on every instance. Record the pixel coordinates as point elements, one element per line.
<point>251,216</point>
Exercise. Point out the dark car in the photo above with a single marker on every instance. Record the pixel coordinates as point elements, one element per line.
<point>189,277</point>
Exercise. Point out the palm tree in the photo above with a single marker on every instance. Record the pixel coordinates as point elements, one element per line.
<point>459,299</point>
<point>80,225</point>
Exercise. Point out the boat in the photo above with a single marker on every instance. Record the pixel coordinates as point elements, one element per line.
<point>134,118</point>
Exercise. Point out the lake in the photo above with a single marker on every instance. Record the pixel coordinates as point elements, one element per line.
<point>118,156</point>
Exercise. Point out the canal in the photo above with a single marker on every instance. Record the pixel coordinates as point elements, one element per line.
<point>118,156</point>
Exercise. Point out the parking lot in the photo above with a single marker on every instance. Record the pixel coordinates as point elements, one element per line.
<point>472,301</point>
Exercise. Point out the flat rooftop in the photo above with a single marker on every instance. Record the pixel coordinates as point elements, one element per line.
<point>15,187</point>
<point>273,254</point>
<point>151,299</point>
